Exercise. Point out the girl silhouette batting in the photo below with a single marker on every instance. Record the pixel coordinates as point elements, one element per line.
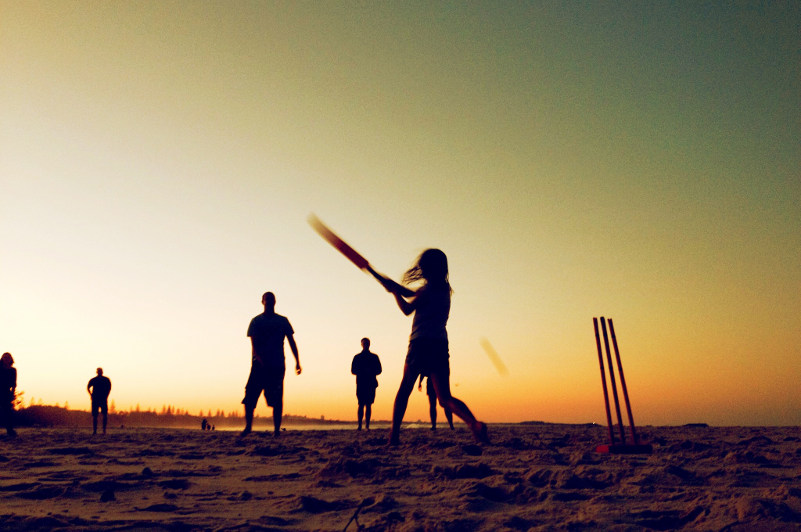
<point>428,342</point>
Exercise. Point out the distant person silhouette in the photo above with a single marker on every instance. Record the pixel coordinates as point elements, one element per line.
<point>366,366</point>
<point>99,388</point>
<point>432,403</point>
<point>267,332</point>
<point>428,342</point>
<point>8,388</point>
<point>204,424</point>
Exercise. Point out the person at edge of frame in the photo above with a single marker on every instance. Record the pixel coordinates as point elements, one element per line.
<point>8,390</point>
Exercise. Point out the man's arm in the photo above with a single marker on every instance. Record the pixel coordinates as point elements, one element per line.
<point>89,388</point>
<point>294,347</point>
<point>253,352</point>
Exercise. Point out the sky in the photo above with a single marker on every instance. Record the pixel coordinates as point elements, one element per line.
<point>633,160</point>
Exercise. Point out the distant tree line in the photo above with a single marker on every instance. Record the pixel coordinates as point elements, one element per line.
<point>40,415</point>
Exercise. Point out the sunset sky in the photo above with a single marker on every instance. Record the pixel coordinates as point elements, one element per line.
<point>634,160</point>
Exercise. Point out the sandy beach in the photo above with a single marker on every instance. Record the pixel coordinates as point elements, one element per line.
<point>532,477</point>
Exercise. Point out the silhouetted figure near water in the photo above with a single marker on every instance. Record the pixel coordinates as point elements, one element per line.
<point>366,366</point>
<point>267,332</point>
<point>428,342</point>
<point>432,403</point>
<point>8,388</point>
<point>99,388</point>
<point>204,425</point>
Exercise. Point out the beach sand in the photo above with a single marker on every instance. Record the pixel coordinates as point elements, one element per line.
<point>532,477</point>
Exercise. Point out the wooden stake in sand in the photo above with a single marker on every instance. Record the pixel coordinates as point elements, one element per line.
<point>603,383</point>
<point>613,447</point>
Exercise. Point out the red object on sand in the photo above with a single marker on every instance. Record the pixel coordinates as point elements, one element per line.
<point>625,448</point>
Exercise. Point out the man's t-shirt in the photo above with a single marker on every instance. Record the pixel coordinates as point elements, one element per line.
<point>101,387</point>
<point>366,366</point>
<point>268,332</point>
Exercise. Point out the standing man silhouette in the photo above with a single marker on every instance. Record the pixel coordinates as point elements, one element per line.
<point>267,332</point>
<point>99,387</point>
<point>366,366</point>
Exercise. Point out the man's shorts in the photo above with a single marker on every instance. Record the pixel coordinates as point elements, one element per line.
<point>99,407</point>
<point>365,394</point>
<point>429,355</point>
<point>269,380</point>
